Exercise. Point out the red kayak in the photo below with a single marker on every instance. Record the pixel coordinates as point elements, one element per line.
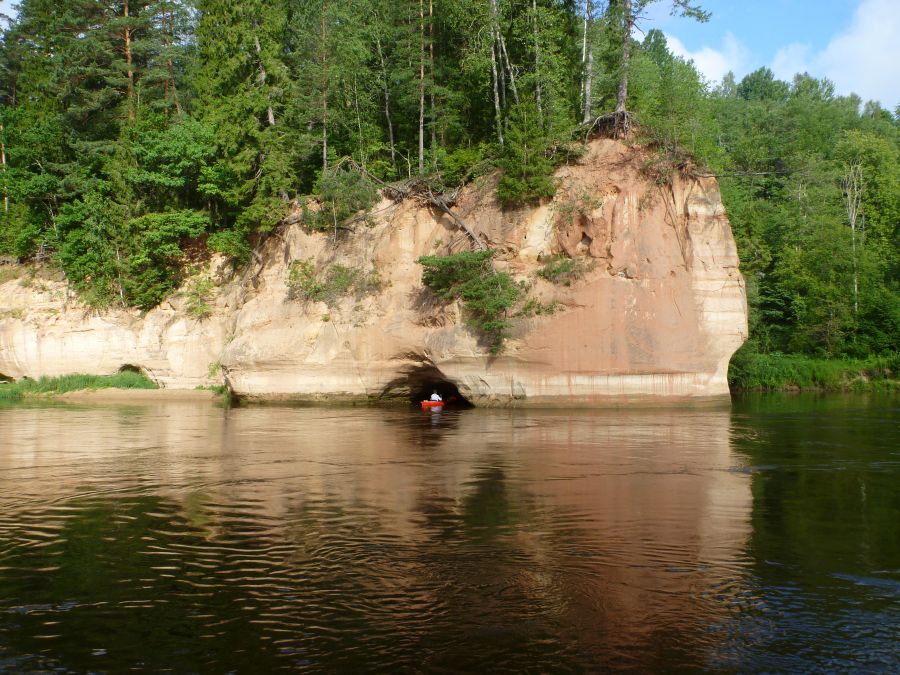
<point>432,405</point>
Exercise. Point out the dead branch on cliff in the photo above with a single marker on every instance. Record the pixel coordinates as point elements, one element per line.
<point>422,191</point>
<point>741,174</point>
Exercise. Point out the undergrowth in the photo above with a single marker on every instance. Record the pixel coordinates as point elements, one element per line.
<point>750,371</point>
<point>45,386</point>
<point>9,273</point>
<point>563,270</point>
<point>306,282</point>
<point>198,296</point>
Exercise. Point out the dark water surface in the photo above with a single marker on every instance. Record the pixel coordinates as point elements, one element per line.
<point>191,538</point>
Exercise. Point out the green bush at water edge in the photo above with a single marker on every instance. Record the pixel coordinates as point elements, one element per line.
<point>771,372</point>
<point>76,382</point>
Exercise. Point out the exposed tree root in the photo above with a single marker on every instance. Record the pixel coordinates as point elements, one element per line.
<point>421,190</point>
<point>617,124</point>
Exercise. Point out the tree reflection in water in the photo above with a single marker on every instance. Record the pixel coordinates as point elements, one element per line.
<point>196,538</point>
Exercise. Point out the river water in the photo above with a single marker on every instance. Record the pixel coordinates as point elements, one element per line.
<point>761,537</point>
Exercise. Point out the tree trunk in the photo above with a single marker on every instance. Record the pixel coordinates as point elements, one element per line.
<point>588,55</point>
<point>627,24</point>
<point>504,55</point>
<point>497,53</point>
<point>324,59</point>
<point>170,66</point>
<point>852,185</point>
<point>262,78</point>
<point>362,148</point>
<point>512,75</point>
<point>387,102</point>
<point>421,87</point>
<point>584,41</point>
<point>3,156</point>
<point>496,84</point>
<point>537,64</point>
<point>431,75</point>
<point>129,62</point>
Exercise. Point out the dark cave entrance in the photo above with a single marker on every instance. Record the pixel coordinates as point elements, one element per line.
<point>129,368</point>
<point>447,390</point>
<point>418,383</point>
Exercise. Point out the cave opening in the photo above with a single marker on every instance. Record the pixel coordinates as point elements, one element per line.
<point>448,391</point>
<point>131,368</point>
<point>140,370</point>
<point>418,383</point>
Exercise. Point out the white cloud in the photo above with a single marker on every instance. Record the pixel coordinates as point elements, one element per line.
<point>714,64</point>
<point>791,60</point>
<point>864,58</point>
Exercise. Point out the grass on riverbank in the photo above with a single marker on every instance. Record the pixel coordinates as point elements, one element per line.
<point>783,372</point>
<point>48,386</point>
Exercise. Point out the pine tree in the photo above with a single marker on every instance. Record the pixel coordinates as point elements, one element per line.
<point>242,87</point>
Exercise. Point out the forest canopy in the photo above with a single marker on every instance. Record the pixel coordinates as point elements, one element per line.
<point>134,128</point>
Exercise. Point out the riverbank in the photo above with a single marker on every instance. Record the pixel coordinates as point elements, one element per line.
<point>795,372</point>
<point>139,396</point>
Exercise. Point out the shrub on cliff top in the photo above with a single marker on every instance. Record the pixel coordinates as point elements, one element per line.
<point>486,295</point>
<point>343,192</point>
<point>527,171</point>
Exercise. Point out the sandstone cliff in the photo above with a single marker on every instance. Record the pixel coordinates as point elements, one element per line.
<point>656,312</point>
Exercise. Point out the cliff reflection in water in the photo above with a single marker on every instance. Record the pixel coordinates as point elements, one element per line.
<point>342,538</point>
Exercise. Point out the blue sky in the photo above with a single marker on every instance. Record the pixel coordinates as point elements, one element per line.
<point>854,43</point>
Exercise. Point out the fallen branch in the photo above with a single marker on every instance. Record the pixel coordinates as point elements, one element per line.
<point>419,189</point>
<point>743,173</point>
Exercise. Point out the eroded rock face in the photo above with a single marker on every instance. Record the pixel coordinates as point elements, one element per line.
<point>657,312</point>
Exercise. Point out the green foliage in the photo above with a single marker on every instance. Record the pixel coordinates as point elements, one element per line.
<point>486,295</point>
<point>48,386</point>
<point>462,164</point>
<point>220,390</point>
<point>669,97</point>
<point>231,242</point>
<point>93,251</point>
<point>814,286</point>
<point>563,270</point>
<point>527,170</point>
<point>534,307</point>
<point>197,297</point>
<point>773,372</point>
<point>109,257</point>
<point>305,282</point>
<point>171,161</point>
<point>230,111</point>
<point>343,192</point>
<point>154,268</point>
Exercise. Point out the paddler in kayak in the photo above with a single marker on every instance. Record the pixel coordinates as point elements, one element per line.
<point>436,396</point>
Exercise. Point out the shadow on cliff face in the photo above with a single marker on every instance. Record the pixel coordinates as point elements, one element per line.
<point>130,368</point>
<point>417,384</point>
